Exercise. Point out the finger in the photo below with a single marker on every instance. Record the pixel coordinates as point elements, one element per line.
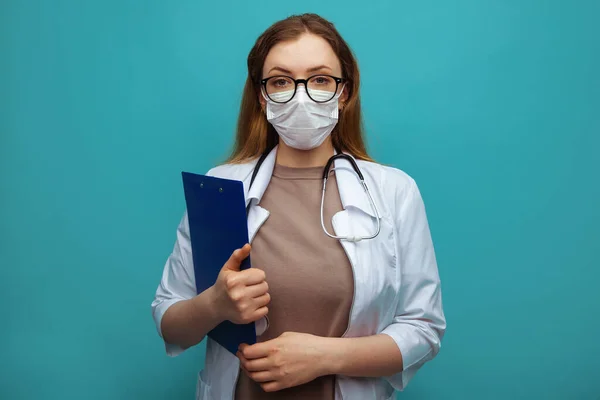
<point>243,361</point>
<point>257,290</point>
<point>252,276</point>
<point>272,386</point>
<point>257,365</point>
<point>237,257</point>
<point>258,350</point>
<point>262,301</point>
<point>261,312</point>
<point>262,376</point>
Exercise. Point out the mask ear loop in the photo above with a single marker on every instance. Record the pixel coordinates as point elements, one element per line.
<point>337,96</point>
<point>341,90</point>
<point>263,106</point>
<point>263,94</point>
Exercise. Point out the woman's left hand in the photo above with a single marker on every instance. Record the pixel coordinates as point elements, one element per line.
<point>289,360</point>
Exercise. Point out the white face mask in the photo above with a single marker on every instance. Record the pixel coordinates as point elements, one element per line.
<point>302,123</point>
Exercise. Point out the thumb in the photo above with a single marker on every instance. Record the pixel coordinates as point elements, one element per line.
<point>234,262</point>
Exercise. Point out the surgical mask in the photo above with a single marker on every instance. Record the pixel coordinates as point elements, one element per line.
<point>302,123</point>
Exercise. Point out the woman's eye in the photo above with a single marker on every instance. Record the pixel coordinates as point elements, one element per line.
<point>280,82</point>
<point>322,80</point>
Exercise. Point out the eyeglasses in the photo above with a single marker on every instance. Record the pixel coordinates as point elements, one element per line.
<point>282,88</point>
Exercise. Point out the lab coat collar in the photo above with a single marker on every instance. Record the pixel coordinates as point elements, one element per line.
<point>263,177</point>
<point>352,193</point>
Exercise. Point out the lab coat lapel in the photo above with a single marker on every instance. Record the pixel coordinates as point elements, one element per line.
<point>256,217</point>
<point>352,221</point>
<point>256,214</point>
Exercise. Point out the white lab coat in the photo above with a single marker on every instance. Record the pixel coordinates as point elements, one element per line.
<point>397,286</point>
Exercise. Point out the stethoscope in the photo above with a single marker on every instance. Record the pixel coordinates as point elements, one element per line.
<point>326,171</point>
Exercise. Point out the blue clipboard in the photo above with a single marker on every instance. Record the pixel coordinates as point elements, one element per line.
<point>218,225</point>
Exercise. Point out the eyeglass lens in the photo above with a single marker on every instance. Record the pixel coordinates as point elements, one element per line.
<point>320,88</point>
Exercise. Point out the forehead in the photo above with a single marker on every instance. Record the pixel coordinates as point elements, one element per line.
<point>302,54</point>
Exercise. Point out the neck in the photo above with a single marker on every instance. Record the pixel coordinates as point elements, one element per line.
<point>290,157</point>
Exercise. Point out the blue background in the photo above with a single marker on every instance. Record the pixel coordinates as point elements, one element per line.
<point>492,106</point>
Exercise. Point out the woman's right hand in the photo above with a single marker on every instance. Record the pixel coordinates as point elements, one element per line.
<point>241,296</point>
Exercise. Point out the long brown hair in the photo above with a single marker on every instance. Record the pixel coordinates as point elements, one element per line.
<point>255,134</point>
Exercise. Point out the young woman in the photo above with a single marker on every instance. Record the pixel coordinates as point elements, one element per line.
<point>347,277</point>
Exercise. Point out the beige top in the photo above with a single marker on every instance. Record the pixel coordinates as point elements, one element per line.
<point>310,278</point>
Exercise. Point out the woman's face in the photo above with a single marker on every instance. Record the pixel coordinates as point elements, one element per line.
<point>307,56</point>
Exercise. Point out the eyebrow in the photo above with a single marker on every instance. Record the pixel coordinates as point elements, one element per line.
<point>312,69</point>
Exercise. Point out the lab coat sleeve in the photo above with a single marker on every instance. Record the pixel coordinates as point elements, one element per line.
<point>177,283</point>
<point>419,322</point>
